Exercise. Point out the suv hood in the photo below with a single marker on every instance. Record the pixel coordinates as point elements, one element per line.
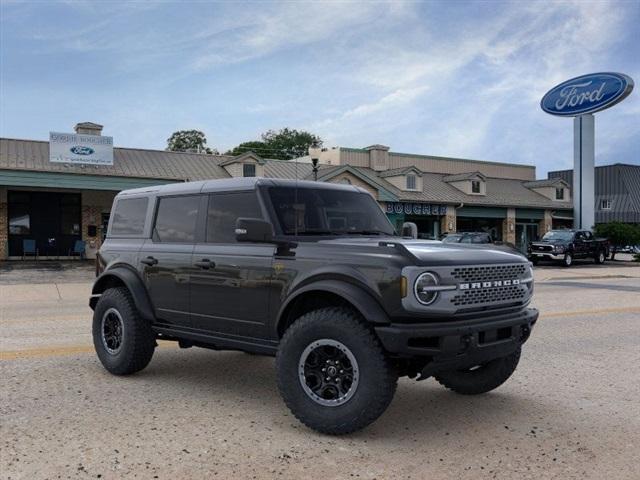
<point>433,252</point>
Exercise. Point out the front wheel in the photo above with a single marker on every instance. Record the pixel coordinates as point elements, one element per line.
<point>567,261</point>
<point>600,257</point>
<point>332,372</point>
<point>481,378</point>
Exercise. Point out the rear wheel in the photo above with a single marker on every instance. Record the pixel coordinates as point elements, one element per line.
<point>332,372</point>
<point>123,340</point>
<point>481,378</point>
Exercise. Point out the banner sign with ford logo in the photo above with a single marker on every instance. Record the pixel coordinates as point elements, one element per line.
<point>587,94</point>
<point>80,149</point>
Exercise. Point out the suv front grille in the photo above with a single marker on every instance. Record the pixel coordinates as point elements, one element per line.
<point>512,293</point>
<point>484,284</point>
<point>489,273</point>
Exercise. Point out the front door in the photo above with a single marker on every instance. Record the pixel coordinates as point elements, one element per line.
<point>230,291</point>
<point>525,233</point>
<point>165,259</point>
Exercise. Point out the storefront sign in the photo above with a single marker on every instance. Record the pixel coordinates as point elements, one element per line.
<point>86,149</point>
<point>587,94</point>
<point>416,208</point>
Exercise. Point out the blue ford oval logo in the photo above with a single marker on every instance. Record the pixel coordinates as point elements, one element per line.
<point>79,150</point>
<point>587,94</point>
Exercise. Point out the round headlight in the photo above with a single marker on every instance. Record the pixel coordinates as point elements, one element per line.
<point>560,248</point>
<point>423,288</point>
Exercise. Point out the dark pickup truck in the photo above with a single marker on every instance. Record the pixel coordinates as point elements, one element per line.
<point>566,245</point>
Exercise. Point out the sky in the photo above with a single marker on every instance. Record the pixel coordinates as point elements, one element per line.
<point>451,78</point>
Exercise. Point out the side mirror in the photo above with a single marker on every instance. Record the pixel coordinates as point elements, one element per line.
<point>253,230</point>
<point>409,229</point>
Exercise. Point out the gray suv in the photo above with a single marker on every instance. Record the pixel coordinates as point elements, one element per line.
<point>315,275</point>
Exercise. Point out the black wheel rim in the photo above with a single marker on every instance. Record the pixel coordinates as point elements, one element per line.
<point>112,331</point>
<point>328,372</point>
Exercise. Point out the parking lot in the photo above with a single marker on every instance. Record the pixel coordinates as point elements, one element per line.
<point>571,410</point>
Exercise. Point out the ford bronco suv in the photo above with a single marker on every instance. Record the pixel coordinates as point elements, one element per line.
<point>313,274</point>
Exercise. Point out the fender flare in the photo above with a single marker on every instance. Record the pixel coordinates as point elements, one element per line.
<point>366,304</point>
<point>134,284</point>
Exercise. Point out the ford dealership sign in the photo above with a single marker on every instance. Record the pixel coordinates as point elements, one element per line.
<point>80,149</point>
<point>587,94</point>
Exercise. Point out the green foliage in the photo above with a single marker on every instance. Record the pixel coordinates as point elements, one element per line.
<point>259,148</point>
<point>188,141</point>
<point>284,144</point>
<point>619,234</point>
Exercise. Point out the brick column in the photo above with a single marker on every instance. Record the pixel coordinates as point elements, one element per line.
<point>94,204</point>
<point>4,225</point>
<point>448,221</point>
<point>545,224</point>
<point>509,226</point>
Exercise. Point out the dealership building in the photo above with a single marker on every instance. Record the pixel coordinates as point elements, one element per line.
<point>52,198</point>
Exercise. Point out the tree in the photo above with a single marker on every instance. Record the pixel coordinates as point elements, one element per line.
<point>284,144</point>
<point>619,235</point>
<point>259,148</point>
<point>188,141</point>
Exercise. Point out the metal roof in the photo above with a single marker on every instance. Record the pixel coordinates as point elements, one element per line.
<point>463,176</point>
<point>33,155</point>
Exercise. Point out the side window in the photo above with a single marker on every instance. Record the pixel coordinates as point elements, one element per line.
<point>128,217</point>
<point>225,209</point>
<point>176,219</point>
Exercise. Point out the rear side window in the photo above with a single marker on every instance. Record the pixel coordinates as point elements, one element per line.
<point>176,219</point>
<point>225,209</point>
<point>128,217</point>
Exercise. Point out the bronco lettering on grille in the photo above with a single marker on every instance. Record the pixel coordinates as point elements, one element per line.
<point>495,283</point>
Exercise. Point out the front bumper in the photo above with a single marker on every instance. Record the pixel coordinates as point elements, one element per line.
<point>547,255</point>
<point>454,345</point>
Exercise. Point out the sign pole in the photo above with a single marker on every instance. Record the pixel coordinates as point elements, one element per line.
<point>583,171</point>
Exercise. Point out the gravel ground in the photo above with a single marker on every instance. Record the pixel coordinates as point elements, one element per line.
<point>571,410</point>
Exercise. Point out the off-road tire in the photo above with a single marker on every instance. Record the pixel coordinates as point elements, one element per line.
<point>483,379</point>
<point>567,261</point>
<point>138,340</point>
<point>600,257</point>
<point>377,376</point>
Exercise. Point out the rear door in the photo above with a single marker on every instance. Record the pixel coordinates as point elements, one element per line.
<point>166,258</point>
<point>230,291</point>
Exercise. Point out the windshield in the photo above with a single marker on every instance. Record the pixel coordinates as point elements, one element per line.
<point>311,211</point>
<point>558,235</point>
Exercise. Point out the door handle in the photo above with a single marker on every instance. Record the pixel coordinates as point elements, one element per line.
<point>149,261</point>
<point>205,264</point>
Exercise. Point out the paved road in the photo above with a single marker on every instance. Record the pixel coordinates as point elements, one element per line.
<point>570,411</point>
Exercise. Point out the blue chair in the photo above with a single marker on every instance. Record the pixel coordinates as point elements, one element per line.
<point>79,248</point>
<point>29,248</point>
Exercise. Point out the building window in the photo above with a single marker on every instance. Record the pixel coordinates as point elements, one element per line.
<point>248,169</point>
<point>559,193</point>
<point>475,186</point>
<point>605,204</point>
<point>411,182</point>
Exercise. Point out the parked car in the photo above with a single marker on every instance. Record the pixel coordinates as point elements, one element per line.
<point>565,246</point>
<point>314,274</point>
<point>480,238</point>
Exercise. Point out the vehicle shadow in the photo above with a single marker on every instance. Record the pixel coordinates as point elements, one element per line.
<point>418,409</point>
